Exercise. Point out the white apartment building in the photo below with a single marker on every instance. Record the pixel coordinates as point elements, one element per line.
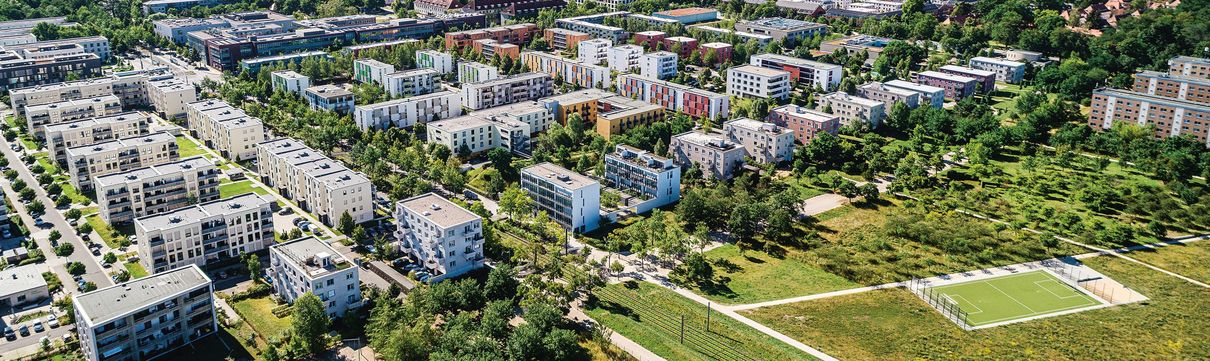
<point>227,129</point>
<point>624,58</point>
<point>319,184</point>
<point>1007,71</point>
<point>817,74</point>
<point>447,240</point>
<point>145,318</point>
<point>752,81</point>
<point>308,265</point>
<point>431,59</point>
<point>659,65</point>
<point>406,112</point>
<point>330,97</point>
<point>594,51</point>
<point>411,82</point>
<point>290,81</point>
<point>764,142</point>
<point>929,95</point>
<point>656,178</point>
<point>851,107</point>
<point>118,156</point>
<point>371,71</point>
<point>571,199</point>
<point>37,116</point>
<point>61,136</point>
<point>713,153</point>
<point>157,189</point>
<point>508,90</point>
<point>475,72</point>
<point>205,233</point>
<point>130,88</point>
<point>508,127</point>
<point>169,96</point>
<point>890,95</point>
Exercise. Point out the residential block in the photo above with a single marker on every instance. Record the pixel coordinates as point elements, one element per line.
<point>444,238</point>
<point>119,156</point>
<point>309,265</point>
<point>508,90</point>
<point>569,198</point>
<point>406,112</point>
<point>205,233</point>
<point>156,189</point>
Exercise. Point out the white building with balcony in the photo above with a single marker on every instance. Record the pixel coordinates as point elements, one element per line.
<point>655,179</point>
<point>147,317</point>
<point>445,239</point>
<point>658,65</point>
<point>571,199</point>
<point>308,265</point>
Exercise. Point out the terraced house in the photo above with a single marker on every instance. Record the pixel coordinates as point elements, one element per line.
<point>205,233</point>
<point>319,184</point>
<point>157,189</point>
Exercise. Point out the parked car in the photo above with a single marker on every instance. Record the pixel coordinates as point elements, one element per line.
<point>470,195</point>
<point>9,334</point>
<point>38,327</point>
<point>96,251</point>
<point>222,275</point>
<point>106,265</point>
<point>286,211</point>
<point>52,321</point>
<point>24,330</point>
<point>7,234</point>
<point>297,221</point>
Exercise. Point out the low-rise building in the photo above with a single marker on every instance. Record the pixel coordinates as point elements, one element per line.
<point>716,156</point>
<point>119,156</point>
<point>310,265</point>
<point>1170,117</point>
<point>23,285</point>
<point>205,233</point>
<point>411,82</point>
<point>608,113</point>
<point>1006,70</point>
<point>1189,66</point>
<point>743,36</point>
<point>680,45</point>
<point>688,15</point>
<point>504,91</point>
<point>851,107</point>
<point>319,184</point>
<point>650,39</point>
<point>563,39</point>
<point>658,65</point>
<point>444,238</point>
<point>443,63</point>
<point>156,189</point>
<point>956,87</point>
<point>474,72</point>
<point>929,95</point>
<point>45,64</point>
<point>39,116</point>
<point>674,97</point>
<point>169,96</point>
<point>656,180</point>
<point>490,48</point>
<point>889,94</point>
<point>518,34</point>
<point>371,71</point>
<point>817,74</point>
<point>406,112</point>
<point>782,29</point>
<point>806,123</point>
<point>985,80</point>
<point>570,71</point>
<point>624,58</point>
<point>763,142</point>
<point>594,51</point>
<point>752,81</point>
<point>594,25</point>
<point>329,97</point>
<point>569,198</point>
<point>290,82</point>
<point>60,137</point>
<point>1173,86</point>
<point>145,318</point>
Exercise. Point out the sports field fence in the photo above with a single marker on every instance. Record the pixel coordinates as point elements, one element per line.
<point>1080,277</point>
<point>946,305</point>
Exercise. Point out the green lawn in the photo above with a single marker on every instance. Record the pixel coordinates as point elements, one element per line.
<point>650,315</point>
<point>756,276</point>
<point>1011,297</point>
<point>227,188</point>
<point>893,324</point>
<point>258,312</point>
<point>1187,260</point>
<point>136,270</point>
<point>49,165</point>
<point>188,148</point>
<point>109,235</point>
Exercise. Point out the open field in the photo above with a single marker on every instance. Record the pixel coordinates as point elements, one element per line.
<point>648,314</point>
<point>894,324</point>
<point>757,276</point>
<point>1012,297</point>
<point>1187,260</point>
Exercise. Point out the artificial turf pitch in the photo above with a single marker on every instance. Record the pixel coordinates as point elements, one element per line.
<point>1013,297</point>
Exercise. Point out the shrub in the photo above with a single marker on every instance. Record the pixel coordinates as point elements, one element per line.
<point>256,291</point>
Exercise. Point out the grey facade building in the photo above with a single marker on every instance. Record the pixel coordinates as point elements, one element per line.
<point>156,189</point>
<point>205,233</point>
<point>60,137</point>
<point>713,153</point>
<point>117,156</point>
<point>447,240</point>
<point>38,116</point>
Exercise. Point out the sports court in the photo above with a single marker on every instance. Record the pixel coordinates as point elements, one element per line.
<point>1014,296</point>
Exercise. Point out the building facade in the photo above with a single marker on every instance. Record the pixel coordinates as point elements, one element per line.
<point>563,39</point>
<point>308,265</point>
<point>624,58</point>
<point>608,113</point>
<point>658,65</point>
<point>60,137</point>
<point>674,97</point>
<point>157,189</point>
<point>411,82</point>
<point>329,97</point>
<point>205,233</point>
<point>371,71</point>
<point>475,72</point>
<point>169,96</point>
<point>39,116</point>
<point>406,112</point>
<point>571,199</point>
<point>822,75</point>
<point>655,178</point>
<point>443,63</point>
<point>929,95</point>
<point>504,91</point>
<point>713,153</point>
<point>805,122</point>
<point>227,129</point>
<point>1190,67</point>
<point>147,317</point>
<point>570,71</point>
<point>1007,71</point>
<point>853,108</point>
<point>985,80</point>
<point>782,28</point>
<point>889,95</point>
<point>290,82</point>
<point>750,81</point>
<point>1170,117</point>
<point>119,156</point>
<point>763,142</point>
<point>956,87</point>
<point>444,238</point>
<point>1173,86</point>
<point>319,184</point>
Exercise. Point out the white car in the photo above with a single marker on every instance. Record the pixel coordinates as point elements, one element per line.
<point>52,321</point>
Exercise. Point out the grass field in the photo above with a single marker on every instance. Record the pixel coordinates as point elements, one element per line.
<point>109,235</point>
<point>1012,297</point>
<point>228,188</point>
<point>258,312</point>
<point>1188,260</point>
<point>136,270</point>
<point>188,148</point>
<point>757,276</point>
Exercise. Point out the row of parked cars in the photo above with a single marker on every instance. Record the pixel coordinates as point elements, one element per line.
<point>38,326</point>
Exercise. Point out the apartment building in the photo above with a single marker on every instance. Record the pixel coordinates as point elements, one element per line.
<point>657,179</point>
<point>763,142</point>
<point>225,128</point>
<point>1170,117</point>
<point>47,64</point>
<point>474,72</point>
<point>750,81</point>
<point>929,95</point>
<point>658,65</point>
<point>490,48</point>
<point>563,39</point>
<point>674,97</point>
<point>156,189</point>
<point>1173,86</point>
<point>571,199</point>
<point>39,116</point>
<point>169,96</point>
<point>570,71</point>
<point>508,90</point>
<point>680,45</point>
<point>444,238</point>
<point>1007,71</point>
<point>956,87</point>
<point>714,154</point>
<point>594,25</point>
<point>650,39</point>
<point>509,127</point>
<point>594,51</point>
<point>119,156</point>
<point>624,58</point>
<point>985,80</point>
<point>290,81</point>
<point>816,74</point>
<point>406,112</point>
<point>608,113</point>
<point>309,265</point>
<point>371,71</point>
<point>329,97</point>
<point>319,184</point>
<point>518,34</point>
<point>851,107</point>
<point>411,82</point>
<point>806,123</point>
<point>1190,67</point>
<point>130,88</point>
<point>253,65</point>
<point>889,95</point>
<point>60,137</point>
<point>443,63</point>
<point>722,52</point>
<point>205,233</point>
<point>145,318</point>
<point>782,29</point>
<point>357,50</point>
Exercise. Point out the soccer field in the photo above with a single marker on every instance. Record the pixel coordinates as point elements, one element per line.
<point>1015,296</point>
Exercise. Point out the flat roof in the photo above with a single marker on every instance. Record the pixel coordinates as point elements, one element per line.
<point>845,97</point>
<point>20,279</point>
<point>946,76</point>
<point>1189,59</point>
<point>440,211</point>
<point>282,145</point>
<point>196,213</point>
<point>665,83</point>
<point>92,122</point>
<point>998,61</point>
<point>328,91</point>
<point>73,103</point>
<point>685,12</point>
<point>579,96</point>
<point>407,100</point>
<point>122,299</point>
<point>413,72</point>
<point>913,86</point>
<point>804,113</point>
<point>303,252</point>
<point>1172,102</point>
<point>373,63</point>
<point>711,140</point>
<point>796,61</point>
<point>966,70</point>
<point>343,178</point>
<point>762,71</point>
<point>782,23</point>
<point>889,89</point>
<point>758,126</point>
<point>170,84</point>
<point>138,175</point>
<point>558,175</point>
<point>1180,78</point>
<point>161,137</point>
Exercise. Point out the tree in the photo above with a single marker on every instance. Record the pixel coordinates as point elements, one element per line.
<point>346,224</point>
<point>310,323</point>
<point>515,202</point>
<point>848,190</point>
<point>110,258</point>
<point>75,268</point>
<point>84,228</point>
<point>54,235</point>
<point>253,264</point>
<point>65,249</point>
<point>501,283</point>
<point>36,207</point>
<point>62,202</point>
<point>73,214</point>
<point>695,269</point>
<point>869,191</point>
